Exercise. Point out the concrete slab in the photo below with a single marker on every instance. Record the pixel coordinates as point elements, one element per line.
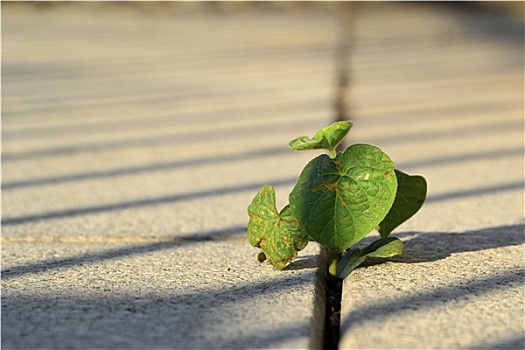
<point>459,284</point>
<point>133,142</point>
<point>161,294</point>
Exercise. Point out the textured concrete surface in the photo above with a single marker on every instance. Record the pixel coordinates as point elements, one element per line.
<point>133,142</point>
<point>170,294</point>
<point>134,137</point>
<point>459,284</point>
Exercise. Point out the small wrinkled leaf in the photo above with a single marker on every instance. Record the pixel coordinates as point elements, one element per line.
<point>384,248</point>
<point>277,234</point>
<point>339,201</point>
<point>327,138</point>
<point>411,194</point>
<point>352,259</point>
<point>381,248</point>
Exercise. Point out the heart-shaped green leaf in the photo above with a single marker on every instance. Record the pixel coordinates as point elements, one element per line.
<point>277,234</point>
<point>381,248</point>
<point>327,138</point>
<point>411,194</point>
<point>339,201</point>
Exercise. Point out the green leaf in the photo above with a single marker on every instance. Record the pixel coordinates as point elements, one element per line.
<point>326,138</point>
<point>339,201</point>
<point>381,248</point>
<point>411,194</point>
<point>384,248</point>
<point>352,259</point>
<point>277,234</point>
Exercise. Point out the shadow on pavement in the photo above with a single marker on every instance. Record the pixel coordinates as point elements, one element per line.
<point>190,320</point>
<point>80,211</point>
<point>515,342</point>
<point>437,296</point>
<point>129,250</point>
<point>139,169</point>
<point>433,246</point>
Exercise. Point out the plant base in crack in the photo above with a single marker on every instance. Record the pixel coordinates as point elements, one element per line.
<point>338,199</point>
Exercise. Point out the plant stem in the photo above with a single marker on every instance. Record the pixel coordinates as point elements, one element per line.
<point>333,303</point>
<point>333,259</point>
<point>332,152</point>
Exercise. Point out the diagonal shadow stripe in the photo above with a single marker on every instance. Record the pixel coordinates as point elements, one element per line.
<point>251,130</point>
<point>111,254</point>
<point>434,246</point>
<point>197,116</point>
<point>434,297</point>
<point>196,309</point>
<point>475,192</point>
<point>462,158</point>
<point>267,152</point>
<point>142,203</point>
<point>194,162</point>
<point>171,139</point>
<point>516,342</point>
<point>451,133</point>
<point>9,221</point>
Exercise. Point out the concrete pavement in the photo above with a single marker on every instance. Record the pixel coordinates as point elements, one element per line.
<point>459,284</point>
<point>134,137</point>
<point>133,143</point>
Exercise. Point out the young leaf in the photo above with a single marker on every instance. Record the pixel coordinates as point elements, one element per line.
<point>411,194</point>
<point>384,248</point>
<point>339,201</point>
<point>352,259</point>
<point>381,248</point>
<point>277,234</point>
<point>326,138</point>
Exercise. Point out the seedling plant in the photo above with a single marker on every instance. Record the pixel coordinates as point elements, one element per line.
<point>338,199</point>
